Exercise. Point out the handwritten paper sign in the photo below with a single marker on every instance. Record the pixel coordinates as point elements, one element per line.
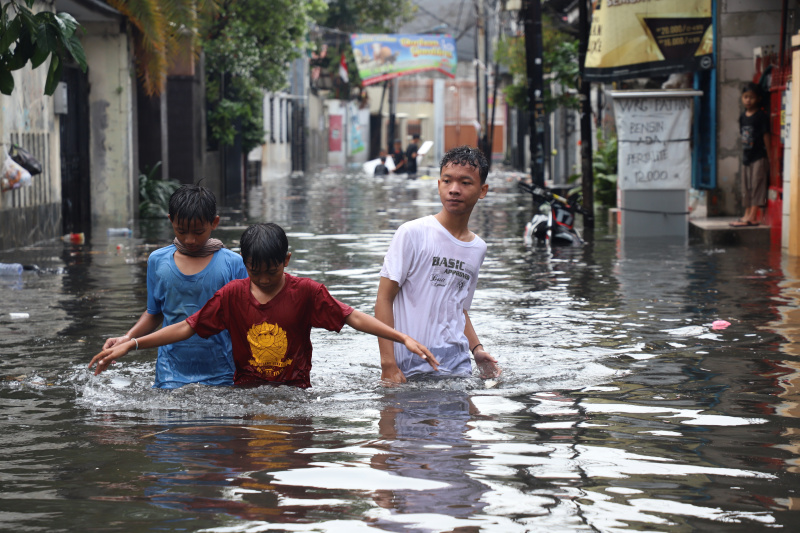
<point>654,133</point>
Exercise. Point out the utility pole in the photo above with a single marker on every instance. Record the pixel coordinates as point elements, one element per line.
<point>587,172</point>
<point>533,57</point>
<point>392,133</point>
<point>480,81</point>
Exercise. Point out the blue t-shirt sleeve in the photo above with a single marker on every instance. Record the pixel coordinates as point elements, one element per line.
<point>237,267</point>
<point>154,298</point>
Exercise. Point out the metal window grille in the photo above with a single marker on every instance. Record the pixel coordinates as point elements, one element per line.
<point>41,190</point>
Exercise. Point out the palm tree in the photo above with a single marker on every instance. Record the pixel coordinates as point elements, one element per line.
<point>158,27</point>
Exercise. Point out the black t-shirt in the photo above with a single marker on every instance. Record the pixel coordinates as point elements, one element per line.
<point>399,158</point>
<point>411,159</point>
<point>752,129</point>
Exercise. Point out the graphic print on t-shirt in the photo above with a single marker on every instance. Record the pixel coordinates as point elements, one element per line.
<point>748,137</point>
<point>268,344</point>
<point>447,268</point>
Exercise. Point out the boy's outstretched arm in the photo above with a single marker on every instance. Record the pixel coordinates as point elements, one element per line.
<point>487,365</point>
<point>384,311</point>
<point>147,323</point>
<point>168,335</point>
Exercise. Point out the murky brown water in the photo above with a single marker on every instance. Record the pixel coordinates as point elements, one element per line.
<point>620,409</point>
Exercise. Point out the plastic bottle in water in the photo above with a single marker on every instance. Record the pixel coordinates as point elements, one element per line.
<point>10,269</point>
<point>74,238</point>
<point>124,232</point>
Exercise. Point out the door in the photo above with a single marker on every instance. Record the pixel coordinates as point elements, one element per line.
<point>75,179</point>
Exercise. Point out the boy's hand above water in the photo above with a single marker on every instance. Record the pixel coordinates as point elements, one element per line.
<point>487,365</point>
<point>419,349</point>
<point>370,324</point>
<point>168,335</point>
<point>391,374</point>
<point>109,355</point>
<point>113,341</point>
<point>147,323</point>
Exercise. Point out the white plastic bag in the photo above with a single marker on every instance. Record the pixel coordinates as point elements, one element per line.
<point>13,175</point>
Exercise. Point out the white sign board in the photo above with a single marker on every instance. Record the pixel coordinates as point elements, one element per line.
<point>426,146</point>
<point>654,132</point>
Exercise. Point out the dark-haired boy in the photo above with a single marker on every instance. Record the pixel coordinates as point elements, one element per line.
<point>411,156</point>
<point>180,279</point>
<point>380,168</point>
<point>398,158</point>
<point>269,316</point>
<point>430,273</point>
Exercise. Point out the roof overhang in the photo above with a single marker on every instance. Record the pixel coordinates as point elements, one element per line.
<point>89,10</point>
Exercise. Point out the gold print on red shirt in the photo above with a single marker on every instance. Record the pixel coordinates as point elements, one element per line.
<point>268,344</point>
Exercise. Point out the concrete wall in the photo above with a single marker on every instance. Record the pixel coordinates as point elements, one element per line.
<point>317,133</point>
<point>336,156</point>
<point>108,53</point>
<point>743,25</point>
<point>276,152</point>
<point>31,214</point>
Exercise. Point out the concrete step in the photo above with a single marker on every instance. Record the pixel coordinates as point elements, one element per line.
<point>717,230</point>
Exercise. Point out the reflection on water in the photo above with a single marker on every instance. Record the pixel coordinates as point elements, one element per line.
<point>619,408</point>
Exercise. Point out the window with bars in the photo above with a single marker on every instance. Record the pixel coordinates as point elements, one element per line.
<point>41,191</point>
<point>271,119</point>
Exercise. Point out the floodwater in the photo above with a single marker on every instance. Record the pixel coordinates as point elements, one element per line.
<point>619,409</point>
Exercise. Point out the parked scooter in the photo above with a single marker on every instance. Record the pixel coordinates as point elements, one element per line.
<point>555,221</point>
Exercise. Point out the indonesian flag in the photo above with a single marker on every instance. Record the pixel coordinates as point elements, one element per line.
<point>343,70</point>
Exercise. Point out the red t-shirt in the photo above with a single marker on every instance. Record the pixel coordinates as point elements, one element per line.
<point>271,341</point>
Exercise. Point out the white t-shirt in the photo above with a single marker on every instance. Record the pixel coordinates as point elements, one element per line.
<point>437,275</point>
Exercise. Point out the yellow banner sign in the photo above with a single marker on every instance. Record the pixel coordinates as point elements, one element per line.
<point>648,38</point>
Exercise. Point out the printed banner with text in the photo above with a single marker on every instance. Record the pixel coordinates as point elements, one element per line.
<point>382,57</point>
<point>649,38</point>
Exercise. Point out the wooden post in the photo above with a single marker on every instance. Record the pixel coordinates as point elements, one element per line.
<point>793,228</point>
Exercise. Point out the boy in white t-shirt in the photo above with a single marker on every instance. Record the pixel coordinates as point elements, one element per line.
<point>429,277</point>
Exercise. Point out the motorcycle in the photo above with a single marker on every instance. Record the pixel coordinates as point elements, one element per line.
<point>556,227</point>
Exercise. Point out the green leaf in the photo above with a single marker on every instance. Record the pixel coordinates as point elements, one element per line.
<point>6,80</point>
<point>11,35</point>
<point>70,24</point>
<point>75,48</point>
<point>22,53</point>
<point>62,26</point>
<point>28,20</point>
<point>40,53</point>
<point>46,37</point>
<point>53,75</point>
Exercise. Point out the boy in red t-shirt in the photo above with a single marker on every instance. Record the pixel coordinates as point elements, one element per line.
<point>269,316</point>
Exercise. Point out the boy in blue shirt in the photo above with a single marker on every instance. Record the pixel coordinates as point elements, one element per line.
<point>180,280</point>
